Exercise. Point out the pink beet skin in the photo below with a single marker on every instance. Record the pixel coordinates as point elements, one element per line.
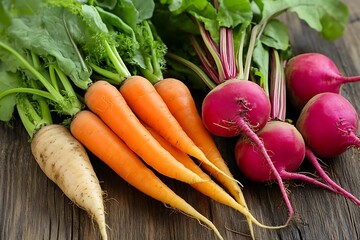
<point>309,74</point>
<point>232,104</point>
<point>285,146</point>
<point>328,123</point>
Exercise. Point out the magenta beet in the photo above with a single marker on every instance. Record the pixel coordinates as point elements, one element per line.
<point>286,148</point>
<point>328,123</point>
<point>235,106</point>
<point>309,74</point>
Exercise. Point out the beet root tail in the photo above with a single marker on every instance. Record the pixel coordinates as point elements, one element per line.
<point>248,132</point>
<point>314,161</point>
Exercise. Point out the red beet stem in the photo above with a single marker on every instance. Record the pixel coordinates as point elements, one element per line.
<point>248,132</point>
<point>302,177</point>
<point>314,161</point>
<point>350,79</point>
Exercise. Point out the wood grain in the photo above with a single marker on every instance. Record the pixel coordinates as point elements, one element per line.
<point>32,207</point>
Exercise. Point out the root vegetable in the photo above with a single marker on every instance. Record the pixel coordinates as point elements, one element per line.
<point>64,161</point>
<point>106,101</point>
<point>147,104</point>
<point>235,107</point>
<point>180,102</point>
<point>91,131</point>
<point>287,150</point>
<point>309,74</point>
<point>328,123</point>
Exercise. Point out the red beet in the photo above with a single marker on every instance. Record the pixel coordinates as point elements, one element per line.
<point>309,74</point>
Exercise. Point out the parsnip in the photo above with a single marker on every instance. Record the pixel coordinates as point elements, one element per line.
<point>64,160</point>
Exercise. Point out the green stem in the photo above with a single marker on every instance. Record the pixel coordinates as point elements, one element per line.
<point>53,79</point>
<point>70,93</point>
<point>29,116</point>
<point>250,51</point>
<point>45,111</point>
<point>122,64</point>
<point>28,125</point>
<point>117,61</point>
<point>35,60</point>
<point>209,67</point>
<point>148,64</point>
<point>240,52</point>
<point>149,75</point>
<point>212,49</point>
<point>156,69</point>
<point>56,95</point>
<point>194,68</point>
<point>30,110</point>
<point>65,82</point>
<point>28,90</point>
<point>278,87</point>
<point>111,76</point>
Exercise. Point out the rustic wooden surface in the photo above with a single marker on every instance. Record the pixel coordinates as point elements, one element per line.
<point>32,207</point>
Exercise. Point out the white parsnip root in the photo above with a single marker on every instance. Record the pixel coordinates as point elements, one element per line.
<point>64,160</point>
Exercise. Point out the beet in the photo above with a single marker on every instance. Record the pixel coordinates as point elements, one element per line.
<point>309,74</point>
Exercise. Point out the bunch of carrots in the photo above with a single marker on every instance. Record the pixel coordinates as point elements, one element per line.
<point>134,124</point>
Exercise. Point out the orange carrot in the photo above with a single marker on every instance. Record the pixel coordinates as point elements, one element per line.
<point>106,101</point>
<point>148,105</point>
<point>208,188</point>
<point>181,104</point>
<point>97,137</point>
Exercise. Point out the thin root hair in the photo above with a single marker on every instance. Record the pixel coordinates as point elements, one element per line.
<point>175,210</point>
<point>111,199</point>
<point>225,127</point>
<point>236,232</point>
<point>311,174</point>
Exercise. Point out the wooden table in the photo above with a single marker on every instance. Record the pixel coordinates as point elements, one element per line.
<point>32,207</point>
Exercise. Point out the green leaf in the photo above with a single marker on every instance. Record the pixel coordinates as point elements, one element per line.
<point>93,19</point>
<point>46,35</point>
<point>180,6</point>
<point>232,13</point>
<point>261,62</point>
<point>208,16</point>
<point>5,19</point>
<point>275,35</point>
<point>106,4</point>
<point>331,22</point>
<point>7,104</point>
<point>329,17</point>
<point>21,7</point>
<point>126,10</point>
<point>145,9</point>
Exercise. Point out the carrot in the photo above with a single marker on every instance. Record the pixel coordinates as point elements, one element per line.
<point>208,188</point>
<point>180,102</point>
<point>106,101</point>
<point>64,161</point>
<point>147,104</point>
<point>96,136</point>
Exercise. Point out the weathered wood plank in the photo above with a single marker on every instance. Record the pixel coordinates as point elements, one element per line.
<point>32,207</point>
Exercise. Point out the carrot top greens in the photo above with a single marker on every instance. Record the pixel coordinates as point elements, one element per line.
<point>62,45</point>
